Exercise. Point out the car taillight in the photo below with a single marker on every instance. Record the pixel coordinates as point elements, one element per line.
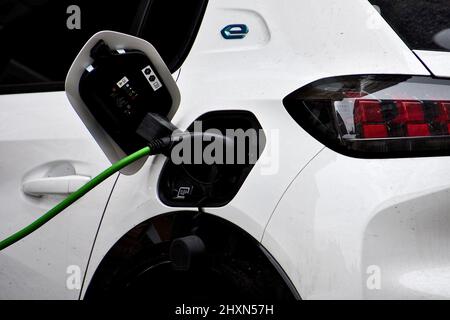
<point>376,116</point>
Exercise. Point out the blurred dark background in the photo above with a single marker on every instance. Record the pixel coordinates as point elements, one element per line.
<point>417,21</point>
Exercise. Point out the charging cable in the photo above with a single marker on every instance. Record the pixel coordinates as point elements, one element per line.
<point>119,165</point>
<point>155,146</point>
<point>152,126</point>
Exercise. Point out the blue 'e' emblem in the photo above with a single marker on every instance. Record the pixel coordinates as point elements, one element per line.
<point>234,31</point>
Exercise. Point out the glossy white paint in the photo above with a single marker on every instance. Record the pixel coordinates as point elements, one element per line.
<point>289,45</point>
<point>63,185</point>
<point>345,220</point>
<point>257,79</point>
<point>41,136</point>
<point>437,61</point>
<point>318,213</point>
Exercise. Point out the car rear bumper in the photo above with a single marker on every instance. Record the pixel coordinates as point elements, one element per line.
<point>366,229</point>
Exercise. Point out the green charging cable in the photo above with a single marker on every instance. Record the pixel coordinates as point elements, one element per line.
<point>119,165</point>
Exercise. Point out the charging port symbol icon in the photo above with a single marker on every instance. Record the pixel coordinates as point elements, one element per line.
<point>183,192</point>
<point>151,78</point>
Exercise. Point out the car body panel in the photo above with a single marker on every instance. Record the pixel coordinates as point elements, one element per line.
<point>437,61</point>
<point>295,200</point>
<point>289,44</point>
<point>41,136</point>
<point>345,220</point>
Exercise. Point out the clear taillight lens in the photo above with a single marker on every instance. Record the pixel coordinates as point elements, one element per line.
<point>376,116</point>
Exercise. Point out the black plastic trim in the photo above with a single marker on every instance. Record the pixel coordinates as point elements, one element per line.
<point>137,29</point>
<point>220,192</point>
<point>281,272</point>
<point>187,49</point>
<point>32,87</point>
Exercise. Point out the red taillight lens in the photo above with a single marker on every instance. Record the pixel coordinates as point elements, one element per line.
<point>369,119</point>
<point>367,111</point>
<point>372,131</point>
<point>379,116</point>
<point>403,119</point>
<point>409,111</point>
<point>417,130</point>
<point>444,116</point>
<point>444,111</point>
<point>411,116</point>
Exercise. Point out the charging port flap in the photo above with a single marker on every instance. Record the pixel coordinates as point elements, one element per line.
<point>114,82</point>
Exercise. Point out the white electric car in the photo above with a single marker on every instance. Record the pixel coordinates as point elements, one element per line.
<point>349,199</point>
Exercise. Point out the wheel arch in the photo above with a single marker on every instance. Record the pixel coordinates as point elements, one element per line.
<point>220,236</point>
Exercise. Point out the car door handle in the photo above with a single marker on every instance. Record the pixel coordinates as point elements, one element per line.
<point>54,185</point>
